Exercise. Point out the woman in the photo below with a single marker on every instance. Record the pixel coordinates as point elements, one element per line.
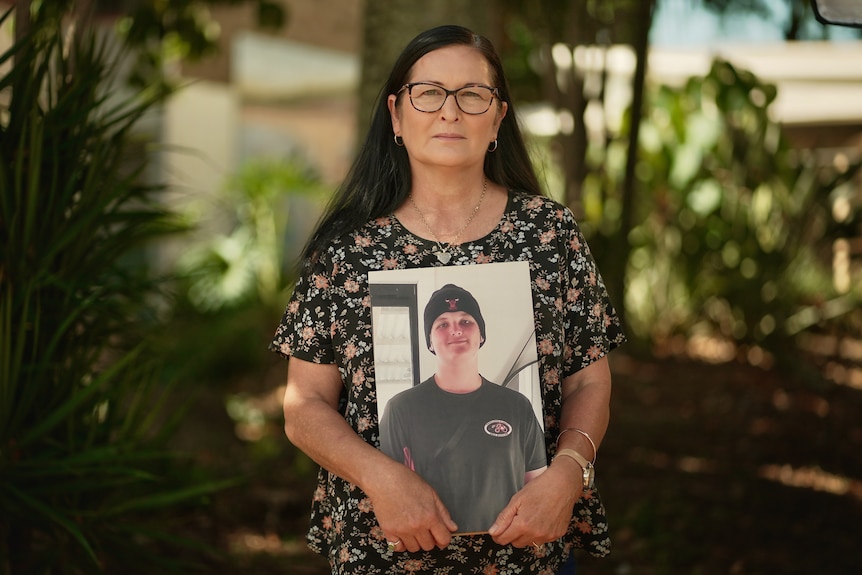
<point>476,442</point>
<point>443,178</point>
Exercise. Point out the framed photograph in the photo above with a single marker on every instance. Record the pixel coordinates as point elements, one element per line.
<point>457,380</point>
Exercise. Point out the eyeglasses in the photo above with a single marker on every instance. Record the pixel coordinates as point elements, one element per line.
<point>427,97</point>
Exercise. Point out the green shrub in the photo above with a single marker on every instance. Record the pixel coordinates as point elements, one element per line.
<point>84,476</point>
<point>733,229</point>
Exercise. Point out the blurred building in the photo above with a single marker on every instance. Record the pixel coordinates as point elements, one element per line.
<point>272,94</point>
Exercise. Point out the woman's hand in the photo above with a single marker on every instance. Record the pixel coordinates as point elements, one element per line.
<point>542,510</point>
<point>409,510</point>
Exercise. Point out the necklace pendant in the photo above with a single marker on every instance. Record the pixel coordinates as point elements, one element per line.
<point>443,256</point>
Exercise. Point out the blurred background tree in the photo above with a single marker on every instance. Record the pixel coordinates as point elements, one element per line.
<point>164,33</point>
<point>87,480</point>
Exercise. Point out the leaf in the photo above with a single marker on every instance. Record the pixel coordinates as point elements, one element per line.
<point>166,499</point>
<point>50,513</point>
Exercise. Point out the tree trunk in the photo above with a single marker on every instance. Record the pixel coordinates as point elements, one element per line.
<point>22,19</point>
<point>567,23</point>
<point>619,263</point>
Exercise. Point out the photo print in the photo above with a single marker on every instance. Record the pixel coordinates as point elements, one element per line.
<point>457,380</point>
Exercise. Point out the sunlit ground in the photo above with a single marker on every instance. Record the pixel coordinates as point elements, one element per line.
<point>813,478</point>
<point>701,434</point>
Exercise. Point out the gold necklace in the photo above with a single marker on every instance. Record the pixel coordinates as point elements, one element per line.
<point>442,252</point>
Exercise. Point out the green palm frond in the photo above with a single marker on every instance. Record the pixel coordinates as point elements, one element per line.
<point>84,410</point>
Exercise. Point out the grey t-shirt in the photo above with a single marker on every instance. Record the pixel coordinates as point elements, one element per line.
<point>473,448</point>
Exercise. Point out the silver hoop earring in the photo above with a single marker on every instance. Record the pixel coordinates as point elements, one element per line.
<point>492,147</point>
<point>399,141</point>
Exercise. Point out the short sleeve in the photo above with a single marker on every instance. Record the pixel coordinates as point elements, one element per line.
<point>392,437</point>
<point>535,456</point>
<point>592,326</point>
<point>305,330</point>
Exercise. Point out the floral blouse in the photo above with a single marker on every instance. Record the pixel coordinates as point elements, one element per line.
<point>328,320</point>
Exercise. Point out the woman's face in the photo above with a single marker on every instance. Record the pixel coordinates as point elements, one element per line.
<point>449,136</point>
<point>454,334</point>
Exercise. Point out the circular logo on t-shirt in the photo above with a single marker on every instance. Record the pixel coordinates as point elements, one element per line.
<point>498,428</point>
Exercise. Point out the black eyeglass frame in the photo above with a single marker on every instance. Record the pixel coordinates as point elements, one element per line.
<point>495,93</point>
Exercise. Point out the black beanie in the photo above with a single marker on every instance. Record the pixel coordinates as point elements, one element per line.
<point>452,298</point>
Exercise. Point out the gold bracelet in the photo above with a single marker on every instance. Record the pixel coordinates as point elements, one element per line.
<point>585,434</point>
<point>587,468</point>
<point>571,453</point>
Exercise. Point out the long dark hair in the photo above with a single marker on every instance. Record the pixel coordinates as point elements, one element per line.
<point>379,180</point>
